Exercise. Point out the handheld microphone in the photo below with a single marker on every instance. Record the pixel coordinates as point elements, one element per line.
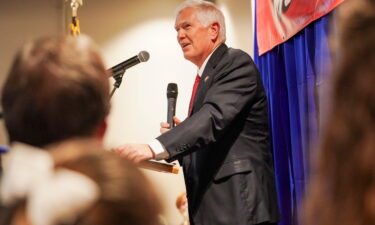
<point>120,68</point>
<point>172,92</point>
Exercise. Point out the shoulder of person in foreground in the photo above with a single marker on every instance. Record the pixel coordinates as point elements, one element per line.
<point>111,190</point>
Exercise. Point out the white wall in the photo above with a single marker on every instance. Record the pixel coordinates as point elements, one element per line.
<point>238,15</point>
<point>122,28</point>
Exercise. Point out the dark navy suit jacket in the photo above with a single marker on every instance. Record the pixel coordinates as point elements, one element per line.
<point>223,145</point>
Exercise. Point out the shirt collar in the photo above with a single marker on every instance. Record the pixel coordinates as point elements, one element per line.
<point>201,69</point>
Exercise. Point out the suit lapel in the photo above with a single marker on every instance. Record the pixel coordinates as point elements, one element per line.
<point>207,76</point>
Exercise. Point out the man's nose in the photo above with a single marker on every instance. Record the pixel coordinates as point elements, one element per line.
<point>180,35</point>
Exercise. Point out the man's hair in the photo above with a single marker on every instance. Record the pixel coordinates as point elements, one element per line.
<point>57,88</point>
<point>207,13</point>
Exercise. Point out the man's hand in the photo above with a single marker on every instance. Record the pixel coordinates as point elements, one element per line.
<point>164,127</point>
<point>135,152</point>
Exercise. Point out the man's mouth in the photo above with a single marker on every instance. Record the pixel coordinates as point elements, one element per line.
<point>184,45</point>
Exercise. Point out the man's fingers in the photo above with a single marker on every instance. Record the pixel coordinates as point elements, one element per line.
<point>124,151</point>
<point>165,125</point>
<point>176,120</point>
<point>118,150</point>
<point>132,156</point>
<point>134,152</point>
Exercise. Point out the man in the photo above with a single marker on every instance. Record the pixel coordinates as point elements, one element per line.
<point>223,145</point>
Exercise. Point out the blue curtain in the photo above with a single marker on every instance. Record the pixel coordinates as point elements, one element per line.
<point>293,74</point>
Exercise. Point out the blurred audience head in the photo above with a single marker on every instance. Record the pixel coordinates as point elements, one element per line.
<point>343,189</point>
<point>57,88</point>
<point>94,188</point>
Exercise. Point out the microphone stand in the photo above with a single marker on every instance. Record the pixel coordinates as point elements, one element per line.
<point>150,164</point>
<point>118,79</point>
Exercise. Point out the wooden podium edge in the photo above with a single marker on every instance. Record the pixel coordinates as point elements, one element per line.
<point>160,166</point>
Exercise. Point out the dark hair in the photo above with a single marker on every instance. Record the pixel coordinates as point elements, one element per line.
<point>343,189</point>
<point>57,88</point>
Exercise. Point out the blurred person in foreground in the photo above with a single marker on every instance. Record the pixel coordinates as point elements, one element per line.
<point>223,145</point>
<point>57,89</point>
<point>92,188</point>
<point>55,102</point>
<point>342,190</point>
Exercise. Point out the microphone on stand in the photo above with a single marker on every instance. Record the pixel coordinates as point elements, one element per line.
<point>172,92</point>
<point>120,68</point>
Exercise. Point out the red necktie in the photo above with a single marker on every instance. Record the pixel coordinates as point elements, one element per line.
<point>196,83</point>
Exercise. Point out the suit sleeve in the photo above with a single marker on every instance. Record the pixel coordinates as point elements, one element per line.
<point>233,88</point>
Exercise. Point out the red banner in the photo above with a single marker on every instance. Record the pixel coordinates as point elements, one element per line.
<point>279,20</point>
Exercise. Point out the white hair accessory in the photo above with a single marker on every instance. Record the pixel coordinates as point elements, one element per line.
<point>52,196</point>
<point>24,167</point>
<point>61,198</point>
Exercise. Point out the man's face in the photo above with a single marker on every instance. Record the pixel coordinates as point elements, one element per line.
<point>193,37</point>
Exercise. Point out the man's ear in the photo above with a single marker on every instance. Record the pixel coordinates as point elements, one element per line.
<point>101,130</point>
<point>214,31</point>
